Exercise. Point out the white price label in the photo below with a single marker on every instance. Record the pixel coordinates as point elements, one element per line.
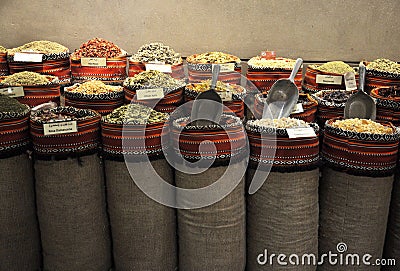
<point>226,67</point>
<point>350,81</point>
<point>226,96</point>
<point>94,61</point>
<point>329,79</point>
<point>60,127</point>
<point>28,57</point>
<point>149,94</point>
<point>298,108</point>
<point>161,67</point>
<point>301,132</point>
<point>13,92</point>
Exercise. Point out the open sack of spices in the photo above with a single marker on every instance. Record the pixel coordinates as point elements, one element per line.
<point>44,57</point>
<point>200,67</point>
<point>387,103</point>
<point>94,95</point>
<point>148,86</point>
<point>3,61</point>
<point>327,76</point>
<point>232,95</point>
<point>382,73</point>
<point>263,73</point>
<point>99,59</point>
<point>156,56</point>
<point>31,88</point>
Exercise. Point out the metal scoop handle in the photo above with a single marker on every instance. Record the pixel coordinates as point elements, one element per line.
<point>296,68</point>
<point>215,73</point>
<point>361,71</point>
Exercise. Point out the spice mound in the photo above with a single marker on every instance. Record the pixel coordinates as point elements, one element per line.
<point>220,87</point>
<point>362,126</point>
<point>98,47</point>
<point>3,49</point>
<point>213,57</point>
<point>27,79</point>
<point>282,123</point>
<point>385,65</point>
<point>42,46</point>
<point>279,63</point>
<point>390,92</point>
<point>338,67</point>
<point>153,79</point>
<point>94,87</point>
<point>157,52</point>
<point>8,104</point>
<point>336,97</point>
<point>135,114</point>
<point>48,115</point>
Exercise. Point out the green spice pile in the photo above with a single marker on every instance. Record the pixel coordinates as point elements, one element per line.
<point>98,47</point>
<point>42,46</point>
<point>281,63</point>
<point>8,104</point>
<point>157,51</point>
<point>153,79</point>
<point>338,67</point>
<point>135,114</point>
<point>26,79</point>
<point>3,49</point>
<point>385,65</point>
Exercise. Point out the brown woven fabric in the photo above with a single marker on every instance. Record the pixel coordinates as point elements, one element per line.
<point>19,233</point>
<point>143,231</point>
<point>353,210</point>
<point>282,217</point>
<point>211,238</point>
<point>72,214</point>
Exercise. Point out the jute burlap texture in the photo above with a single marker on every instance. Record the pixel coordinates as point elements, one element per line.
<point>143,231</point>
<point>19,233</point>
<point>354,211</point>
<point>72,214</point>
<point>212,238</point>
<point>282,217</point>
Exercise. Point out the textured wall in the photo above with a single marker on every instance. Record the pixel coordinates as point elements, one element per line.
<point>312,29</point>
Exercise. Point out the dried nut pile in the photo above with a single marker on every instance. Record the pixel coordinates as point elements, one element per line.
<point>8,104</point>
<point>94,87</point>
<point>385,65</point>
<point>153,79</point>
<point>390,92</point>
<point>158,52</point>
<point>135,114</point>
<point>98,47</point>
<point>42,46</point>
<point>220,87</point>
<point>338,67</point>
<point>26,79</point>
<point>282,123</point>
<point>280,63</point>
<point>213,57</point>
<point>362,126</point>
<point>337,97</point>
<point>3,49</point>
<point>47,115</point>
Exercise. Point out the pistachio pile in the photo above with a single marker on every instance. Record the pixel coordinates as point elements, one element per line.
<point>220,87</point>
<point>26,79</point>
<point>213,57</point>
<point>8,104</point>
<point>3,49</point>
<point>362,126</point>
<point>281,123</point>
<point>135,114</point>
<point>98,47</point>
<point>279,63</point>
<point>42,46</point>
<point>94,87</point>
<point>157,51</point>
<point>153,79</point>
<point>338,67</point>
<point>386,65</point>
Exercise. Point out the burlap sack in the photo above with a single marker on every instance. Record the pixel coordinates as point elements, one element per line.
<point>72,214</point>
<point>212,238</point>
<point>143,231</point>
<point>354,211</point>
<point>282,218</point>
<point>19,233</point>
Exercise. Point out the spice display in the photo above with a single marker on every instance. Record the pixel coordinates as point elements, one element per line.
<point>362,126</point>
<point>158,52</point>
<point>220,87</point>
<point>98,47</point>
<point>26,79</point>
<point>3,49</point>
<point>94,87</point>
<point>390,92</point>
<point>282,123</point>
<point>42,46</point>
<point>48,115</point>
<point>336,97</point>
<point>386,65</point>
<point>213,57</point>
<point>135,114</point>
<point>338,67</point>
<point>153,79</point>
<point>8,104</point>
<point>279,63</point>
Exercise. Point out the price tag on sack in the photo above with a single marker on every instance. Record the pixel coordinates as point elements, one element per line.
<point>298,108</point>
<point>93,61</point>
<point>225,67</point>
<point>158,66</point>
<point>149,94</point>
<point>328,79</point>
<point>60,127</point>
<point>28,57</point>
<point>301,132</point>
<point>13,92</point>
<point>226,96</point>
<point>350,81</point>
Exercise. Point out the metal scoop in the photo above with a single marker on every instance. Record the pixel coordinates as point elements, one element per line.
<point>360,105</point>
<point>283,96</point>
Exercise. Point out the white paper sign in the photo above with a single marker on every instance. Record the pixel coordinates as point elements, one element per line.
<point>158,67</point>
<point>28,57</point>
<point>149,94</point>
<point>94,61</point>
<point>13,92</point>
<point>60,127</point>
<point>301,132</point>
<point>298,108</point>
<point>329,79</point>
<point>350,81</point>
<point>226,67</point>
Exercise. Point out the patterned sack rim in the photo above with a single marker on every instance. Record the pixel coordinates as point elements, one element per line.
<point>274,131</point>
<point>54,81</point>
<point>123,55</point>
<point>71,150</point>
<point>317,96</point>
<point>46,57</point>
<point>101,96</point>
<point>15,115</point>
<point>384,101</point>
<point>81,114</point>
<point>14,150</point>
<point>165,89</point>
<point>237,122</point>
<point>235,96</point>
<point>65,156</point>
